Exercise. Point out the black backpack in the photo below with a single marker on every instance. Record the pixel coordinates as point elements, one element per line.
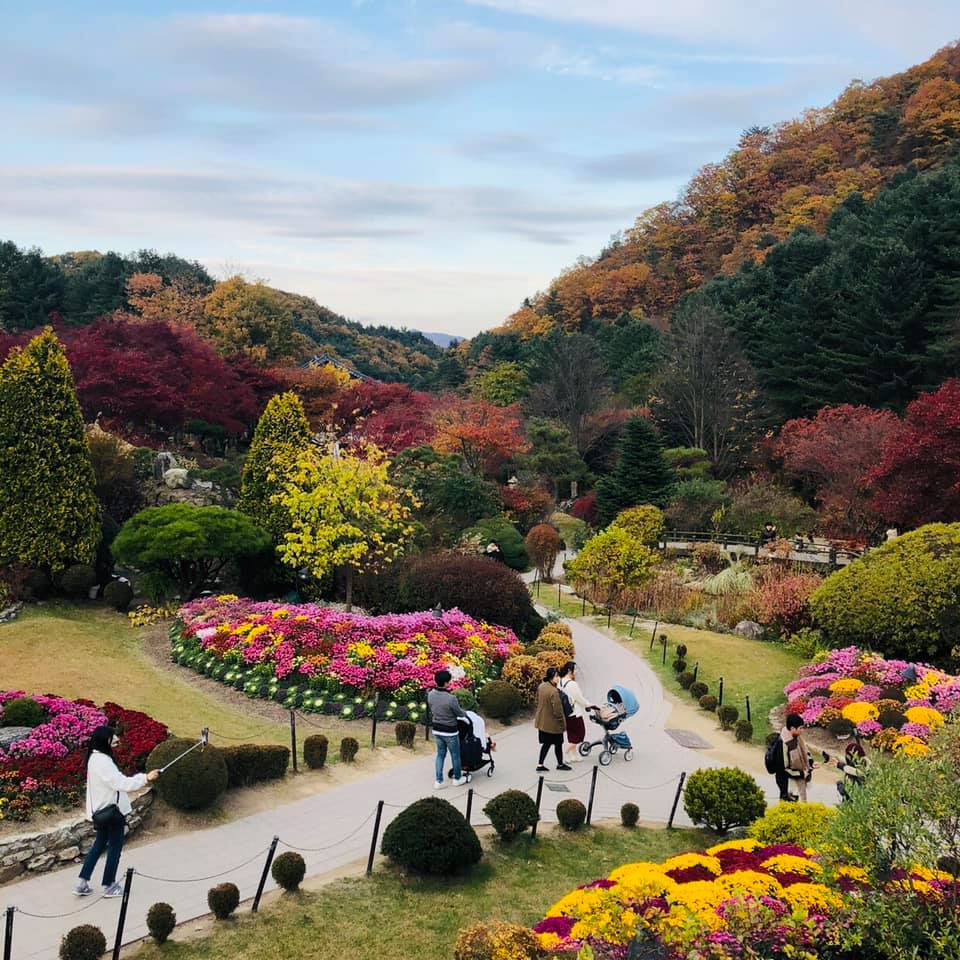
<point>565,703</point>
<point>773,758</point>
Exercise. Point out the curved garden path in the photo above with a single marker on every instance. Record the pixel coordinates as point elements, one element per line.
<point>333,828</point>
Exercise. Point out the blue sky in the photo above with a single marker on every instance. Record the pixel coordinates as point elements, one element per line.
<point>425,163</point>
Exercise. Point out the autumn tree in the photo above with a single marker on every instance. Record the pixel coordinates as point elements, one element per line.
<point>552,457</point>
<point>345,515</point>
<point>832,455</point>
<point>49,514</point>
<point>321,388</point>
<point>178,301</point>
<point>391,416</point>
<point>543,547</point>
<point>281,439</point>
<point>504,384</point>
<point>610,565</point>
<point>479,432</point>
<point>643,523</point>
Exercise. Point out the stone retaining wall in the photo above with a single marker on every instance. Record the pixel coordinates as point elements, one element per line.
<point>26,853</point>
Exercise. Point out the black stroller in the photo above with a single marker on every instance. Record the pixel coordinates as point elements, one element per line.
<point>475,752</point>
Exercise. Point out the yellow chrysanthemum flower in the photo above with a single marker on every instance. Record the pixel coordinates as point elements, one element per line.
<point>747,844</point>
<point>787,863</point>
<point>846,686</point>
<point>811,896</point>
<point>685,861</point>
<point>908,746</point>
<point>860,711</point>
<point>927,715</point>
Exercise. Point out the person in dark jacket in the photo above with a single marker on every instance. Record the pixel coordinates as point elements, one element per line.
<point>549,720</point>
<point>794,767</point>
<point>444,710</point>
<point>494,552</point>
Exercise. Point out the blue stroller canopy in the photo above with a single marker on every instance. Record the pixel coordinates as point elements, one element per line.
<point>625,697</point>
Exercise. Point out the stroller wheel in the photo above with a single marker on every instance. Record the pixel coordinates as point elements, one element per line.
<point>490,769</point>
<point>584,749</point>
<point>605,758</point>
<point>628,755</point>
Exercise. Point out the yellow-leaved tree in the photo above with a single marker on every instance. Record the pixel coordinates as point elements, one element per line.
<point>610,566</point>
<point>345,514</point>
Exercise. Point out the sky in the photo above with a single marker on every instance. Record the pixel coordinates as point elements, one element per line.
<point>420,163</point>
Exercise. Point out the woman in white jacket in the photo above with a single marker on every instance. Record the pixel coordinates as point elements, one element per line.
<point>107,806</point>
<point>576,727</point>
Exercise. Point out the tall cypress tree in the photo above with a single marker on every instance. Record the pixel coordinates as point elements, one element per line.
<point>49,514</point>
<point>282,434</point>
<point>641,474</point>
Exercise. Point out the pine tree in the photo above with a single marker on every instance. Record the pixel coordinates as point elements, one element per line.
<point>49,515</point>
<point>641,474</point>
<point>282,436</point>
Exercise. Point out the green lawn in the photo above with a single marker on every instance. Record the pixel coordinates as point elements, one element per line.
<point>748,667</point>
<point>389,917</point>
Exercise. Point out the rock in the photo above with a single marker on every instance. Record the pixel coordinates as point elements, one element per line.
<point>10,735</point>
<point>177,478</point>
<point>10,872</point>
<point>69,853</point>
<point>749,629</point>
<point>43,862</point>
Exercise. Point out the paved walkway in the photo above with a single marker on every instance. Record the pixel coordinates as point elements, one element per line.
<point>333,828</point>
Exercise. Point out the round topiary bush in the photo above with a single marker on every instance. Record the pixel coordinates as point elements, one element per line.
<point>629,814</point>
<point>431,837</point>
<point>495,940</point>
<point>679,666</point>
<point>524,674</point>
<point>841,727</point>
<point>315,751</point>
<point>511,813</point>
<point>119,594</point>
<point>223,899</point>
<point>708,702</point>
<point>557,626</point>
<point>685,679</point>
<point>743,731</point>
<point>723,798</point>
<point>77,581</point>
<point>406,733</point>
<point>193,783</point>
<point>161,922</point>
<point>571,814</point>
<point>85,942</point>
<point>348,749</point>
<point>288,870</point>
<point>22,712</point>
<point>681,651</point>
<point>550,640</point>
<point>898,598</point>
<point>698,689</point>
<point>499,700</point>
<point>727,715</point>
<point>465,698</point>
<point>803,824</point>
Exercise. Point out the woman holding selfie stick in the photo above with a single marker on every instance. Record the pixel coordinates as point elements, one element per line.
<point>108,807</point>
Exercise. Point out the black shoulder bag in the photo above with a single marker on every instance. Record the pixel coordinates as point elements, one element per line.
<point>105,815</point>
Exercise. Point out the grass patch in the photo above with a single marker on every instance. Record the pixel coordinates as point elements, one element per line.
<point>571,529</point>
<point>390,917</point>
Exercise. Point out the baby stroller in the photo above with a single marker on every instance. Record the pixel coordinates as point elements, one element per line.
<point>621,703</point>
<point>476,748</point>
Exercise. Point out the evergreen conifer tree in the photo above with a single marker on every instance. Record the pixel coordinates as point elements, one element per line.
<point>641,474</point>
<point>49,514</point>
<point>281,438</point>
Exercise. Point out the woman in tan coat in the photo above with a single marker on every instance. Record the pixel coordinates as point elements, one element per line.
<point>549,720</point>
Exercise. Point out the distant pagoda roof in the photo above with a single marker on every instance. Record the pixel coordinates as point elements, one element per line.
<point>323,359</point>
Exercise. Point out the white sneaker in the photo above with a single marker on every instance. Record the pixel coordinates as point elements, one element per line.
<point>439,784</point>
<point>82,889</point>
<point>460,782</point>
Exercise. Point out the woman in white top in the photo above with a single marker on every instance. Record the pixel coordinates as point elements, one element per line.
<point>576,728</point>
<point>107,806</point>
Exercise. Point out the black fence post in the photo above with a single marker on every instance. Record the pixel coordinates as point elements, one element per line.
<point>373,730</point>
<point>633,622</point>
<point>663,643</point>
<point>583,607</point>
<point>426,723</point>
<point>263,876</point>
<point>8,933</point>
<point>293,738</point>
<point>609,615</point>
<point>373,841</point>
<point>559,602</point>
<point>676,800</point>
<point>469,804</point>
<point>593,790</point>
<point>720,694</point>
<point>696,670</point>
<point>653,636</point>
<point>127,883</point>
<point>748,706</point>
<point>533,832</point>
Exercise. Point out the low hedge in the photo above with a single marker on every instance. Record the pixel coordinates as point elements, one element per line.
<point>348,749</point>
<point>251,763</point>
<point>511,813</point>
<point>315,751</point>
<point>728,715</point>
<point>406,733</point>
<point>629,814</point>
<point>499,699</point>
<point>571,814</point>
<point>708,702</point>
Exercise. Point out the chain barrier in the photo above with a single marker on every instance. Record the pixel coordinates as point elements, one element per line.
<point>245,737</point>
<point>634,786</point>
<point>336,843</point>
<point>59,916</point>
<point>213,876</point>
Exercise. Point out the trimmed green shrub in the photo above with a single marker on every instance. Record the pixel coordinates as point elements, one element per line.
<point>643,523</point>
<point>679,666</point>
<point>22,712</point>
<point>223,899</point>
<point>85,942</point>
<point>288,870</point>
<point>465,697</point>
<point>629,814</point>
<point>727,715</point>
<point>685,679</point>
<point>315,751</point>
<point>708,702</point>
<point>499,700</point>
<point>431,837</point>
<point>743,731</point>
<point>511,813</point>
<point>161,922</point>
<point>406,733</point>
<point>503,532</point>
<point>902,599</point>
<point>348,749</point>
<point>193,783</point>
<point>723,798</point>
<point>77,581</point>
<point>251,763</point>
<point>681,650</point>
<point>698,689</point>
<point>571,814</point>
<point>119,594</point>
<point>801,823</point>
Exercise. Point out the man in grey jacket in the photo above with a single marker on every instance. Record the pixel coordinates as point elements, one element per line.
<point>444,710</point>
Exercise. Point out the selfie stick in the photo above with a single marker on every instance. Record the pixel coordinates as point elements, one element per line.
<point>202,742</point>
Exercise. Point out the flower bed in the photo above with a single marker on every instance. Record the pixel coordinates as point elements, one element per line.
<point>48,767</point>
<point>736,899</point>
<point>320,659</point>
<point>895,703</point>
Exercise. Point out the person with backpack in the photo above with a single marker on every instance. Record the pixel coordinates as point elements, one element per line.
<point>788,759</point>
<point>574,704</point>
<point>549,720</point>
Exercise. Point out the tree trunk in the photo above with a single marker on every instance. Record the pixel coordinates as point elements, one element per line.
<point>349,589</point>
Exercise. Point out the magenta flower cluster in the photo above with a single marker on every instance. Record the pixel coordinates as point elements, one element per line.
<point>69,725</point>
